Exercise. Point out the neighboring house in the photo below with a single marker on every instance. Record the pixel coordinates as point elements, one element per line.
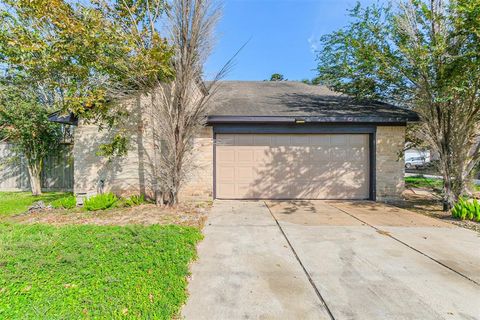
<point>265,140</point>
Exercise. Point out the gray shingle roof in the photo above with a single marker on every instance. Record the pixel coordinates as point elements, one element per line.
<point>296,99</point>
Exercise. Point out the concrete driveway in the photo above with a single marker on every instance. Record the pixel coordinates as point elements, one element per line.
<point>332,260</point>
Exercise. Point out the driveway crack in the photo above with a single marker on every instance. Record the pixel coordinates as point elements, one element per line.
<point>319,295</point>
<point>388,234</point>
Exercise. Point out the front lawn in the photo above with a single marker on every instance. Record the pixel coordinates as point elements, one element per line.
<point>18,202</point>
<point>422,182</point>
<point>429,183</point>
<point>96,272</point>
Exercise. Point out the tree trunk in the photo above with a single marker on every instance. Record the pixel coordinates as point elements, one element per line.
<point>34,172</point>
<point>158,194</point>
<point>173,198</point>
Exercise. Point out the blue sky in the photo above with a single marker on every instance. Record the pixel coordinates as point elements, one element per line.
<point>283,36</point>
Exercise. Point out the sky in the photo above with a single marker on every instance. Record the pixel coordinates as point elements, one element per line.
<point>282,36</point>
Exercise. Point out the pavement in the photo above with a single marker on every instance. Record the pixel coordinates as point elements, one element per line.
<point>332,260</point>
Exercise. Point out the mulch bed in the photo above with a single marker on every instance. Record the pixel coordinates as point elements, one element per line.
<point>429,204</point>
<point>189,214</point>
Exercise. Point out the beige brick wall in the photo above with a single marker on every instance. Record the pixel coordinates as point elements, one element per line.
<point>390,165</point>
<point>131,174</point>
<point>200,183</point>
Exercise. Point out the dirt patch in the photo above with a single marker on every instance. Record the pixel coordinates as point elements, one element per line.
<point>191,214</point>
<point>430,205</point>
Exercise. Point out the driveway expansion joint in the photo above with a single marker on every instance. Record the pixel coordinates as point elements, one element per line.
<point>388,234</point>
<point>317,292</point>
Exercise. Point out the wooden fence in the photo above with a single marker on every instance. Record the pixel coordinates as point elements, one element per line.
<point>57,174</point>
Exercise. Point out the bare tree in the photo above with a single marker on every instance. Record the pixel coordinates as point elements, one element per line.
<point>168,43</point>
<point>180,106</point>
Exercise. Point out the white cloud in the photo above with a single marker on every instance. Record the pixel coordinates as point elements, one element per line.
<point>313,42</point>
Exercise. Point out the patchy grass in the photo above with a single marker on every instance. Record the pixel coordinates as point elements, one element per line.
<point>95,272</point>
<point>18,202</point>
<point>193,215</point>
<point>422,182</point>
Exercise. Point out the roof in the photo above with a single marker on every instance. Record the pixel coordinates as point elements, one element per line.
<point>284,101</point>
<point>64,118</point>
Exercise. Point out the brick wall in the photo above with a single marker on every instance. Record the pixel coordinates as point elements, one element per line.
<point>390,163</point>
<point>200,183</point>
<point>131,174</point>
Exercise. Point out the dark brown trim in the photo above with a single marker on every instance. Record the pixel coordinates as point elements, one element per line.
<point>373,165</point>
<point>294,128</point>
<point>214,144</point>
<point>63,118</point>
<point>212,120</point>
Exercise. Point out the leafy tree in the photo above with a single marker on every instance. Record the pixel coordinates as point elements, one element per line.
<point>89,57</point>
<point>85,57</point>
<point>24,123</point>
<point>39,72</point>
<point>277,77</point>
<point>420,54</point>
<point>315,81</point>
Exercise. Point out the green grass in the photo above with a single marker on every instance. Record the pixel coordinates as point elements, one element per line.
<point>94,272</point>
<point>18,202</point>
<point>421,182</point>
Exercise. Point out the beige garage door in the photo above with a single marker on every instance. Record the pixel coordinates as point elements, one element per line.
<point>292,166</point>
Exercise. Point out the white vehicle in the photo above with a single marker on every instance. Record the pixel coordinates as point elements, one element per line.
<point>416,162</point>
<point>417,158</point>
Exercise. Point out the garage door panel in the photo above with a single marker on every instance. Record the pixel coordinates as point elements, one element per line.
<point>245,173</point>
<point>357,154</point>
<point>320,140</point>
<point>281,140</point>
<point>283,166</point>
<point>225,154</point>
<point>321,154</point>
<point>225,173</point>
<point>244,155</point>
<point>358,140</point>
<point>244,140</point>
<point>338,154</point>
<point>339,140</point>
<point>227,190</point>
<point>300,140</point>
<point>262,140</point>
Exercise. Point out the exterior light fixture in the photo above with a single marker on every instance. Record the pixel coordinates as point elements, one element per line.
<point>299,121</point>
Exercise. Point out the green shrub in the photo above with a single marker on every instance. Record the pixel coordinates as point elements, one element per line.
<point>100,202</point>
<point>69,202</point>
<point>134,200</point>
<point>466,209</point>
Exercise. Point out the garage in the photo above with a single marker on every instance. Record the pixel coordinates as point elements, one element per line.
<point>288,140</point>
<point>292,166</point>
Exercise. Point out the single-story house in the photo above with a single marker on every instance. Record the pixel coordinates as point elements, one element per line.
<point>265,140</point>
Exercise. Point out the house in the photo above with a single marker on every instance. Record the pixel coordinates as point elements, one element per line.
<point>265,140</point>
